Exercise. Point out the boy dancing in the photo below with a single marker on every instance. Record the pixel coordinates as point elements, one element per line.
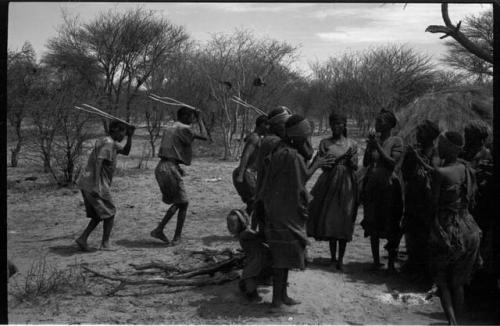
<point>175,149</point>
<point>95,183</point>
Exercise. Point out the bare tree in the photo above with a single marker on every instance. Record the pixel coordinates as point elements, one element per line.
<point>231,64</point>
<point>59,132</point>
<point>449,29</point>
<point>116,52</point>
<point>478,29</point>
<point>21,71</point>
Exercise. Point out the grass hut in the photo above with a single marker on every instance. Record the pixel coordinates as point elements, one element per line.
<point>451,109</point>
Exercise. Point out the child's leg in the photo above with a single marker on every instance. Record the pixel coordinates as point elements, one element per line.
<point>286,299</point>
<point>457,297</point>
<point>375,242</point>
<point>278,284</point>
<point>333,250</point>
<point>447,304</point>
<point>82,240</point>
<point>158,232</point>
<point>106,232</point>
<point>342,246</point>
<point>181,217</point>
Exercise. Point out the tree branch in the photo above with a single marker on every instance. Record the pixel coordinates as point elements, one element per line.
<point>454,31</point>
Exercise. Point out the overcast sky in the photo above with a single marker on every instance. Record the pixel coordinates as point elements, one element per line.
<point>320,29</point>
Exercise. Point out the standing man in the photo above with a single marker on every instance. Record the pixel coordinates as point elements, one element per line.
<point>95,182</point>
<point>175,149</point>
<point>245,175</point>
<point>276,120</point>
<point>286,199</point>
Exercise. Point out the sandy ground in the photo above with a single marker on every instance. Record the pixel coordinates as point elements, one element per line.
<point>44,220</point>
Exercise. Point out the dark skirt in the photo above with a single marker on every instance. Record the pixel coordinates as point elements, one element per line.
<point>287,250</point>
<point>382,204</point>
<point>333,209</point>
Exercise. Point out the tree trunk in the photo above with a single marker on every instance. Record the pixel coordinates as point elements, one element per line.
<point>15,154</point>
<point>16,150</point>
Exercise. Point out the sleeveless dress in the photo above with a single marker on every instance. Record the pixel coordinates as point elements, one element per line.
<point>333,209</point>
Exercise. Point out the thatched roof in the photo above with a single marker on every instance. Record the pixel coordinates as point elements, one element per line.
<point>451,109</point>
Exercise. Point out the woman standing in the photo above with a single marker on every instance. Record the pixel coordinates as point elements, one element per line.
<point>332,212</point>
<point>418,213</point>
<point>382,192</point>
<point>455,236</point>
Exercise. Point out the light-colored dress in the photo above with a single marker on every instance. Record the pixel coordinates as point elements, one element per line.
<point>333,209</point>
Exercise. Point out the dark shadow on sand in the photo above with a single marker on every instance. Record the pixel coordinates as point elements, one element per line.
<point>142,243</point>
<point>209,240</point>
<point>70,250</point>
<point>228,302</point>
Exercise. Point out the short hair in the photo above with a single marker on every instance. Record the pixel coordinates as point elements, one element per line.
<point>184,112</point>
<point>275,112</point>
<point>116,125</point>
<point>476,129</point>
<point>455,138</point>
<point>261,119</point>
<point>293,120</point>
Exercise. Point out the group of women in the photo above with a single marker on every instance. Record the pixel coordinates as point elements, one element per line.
<point>425,191</point>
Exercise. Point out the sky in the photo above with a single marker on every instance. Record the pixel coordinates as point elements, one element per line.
<point>321,30</point>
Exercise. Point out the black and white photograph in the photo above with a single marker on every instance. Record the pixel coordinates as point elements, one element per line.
<point>251,163</point>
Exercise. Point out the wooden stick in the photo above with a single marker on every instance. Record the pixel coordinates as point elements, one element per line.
<point>110,116</point>
<point>203,129</point>
<point>167,103</point>
<point>92,112</point>
<point>158,264</point>
<point>211,269</point>
<point>250,106</point>
<point>166,281</point>
<point>91,108</point>
<point>174,100</point>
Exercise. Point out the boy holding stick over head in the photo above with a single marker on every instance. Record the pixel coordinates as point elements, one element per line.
<point>95,182</point>
<point>175,149</point>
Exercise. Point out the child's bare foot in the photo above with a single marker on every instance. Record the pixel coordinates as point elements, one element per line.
<point>82,244</point>
<point>276,307</point>
<point>158,234</point>
<point>176,241</point>
<point>106,246</point>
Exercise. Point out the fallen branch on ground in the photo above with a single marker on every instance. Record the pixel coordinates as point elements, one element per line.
<point>158,264</point>
<point>224,265</point>
<point>222,278</point>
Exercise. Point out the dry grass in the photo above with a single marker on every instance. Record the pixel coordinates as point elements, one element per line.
<point>43,280</point>
<point>451,109</point>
